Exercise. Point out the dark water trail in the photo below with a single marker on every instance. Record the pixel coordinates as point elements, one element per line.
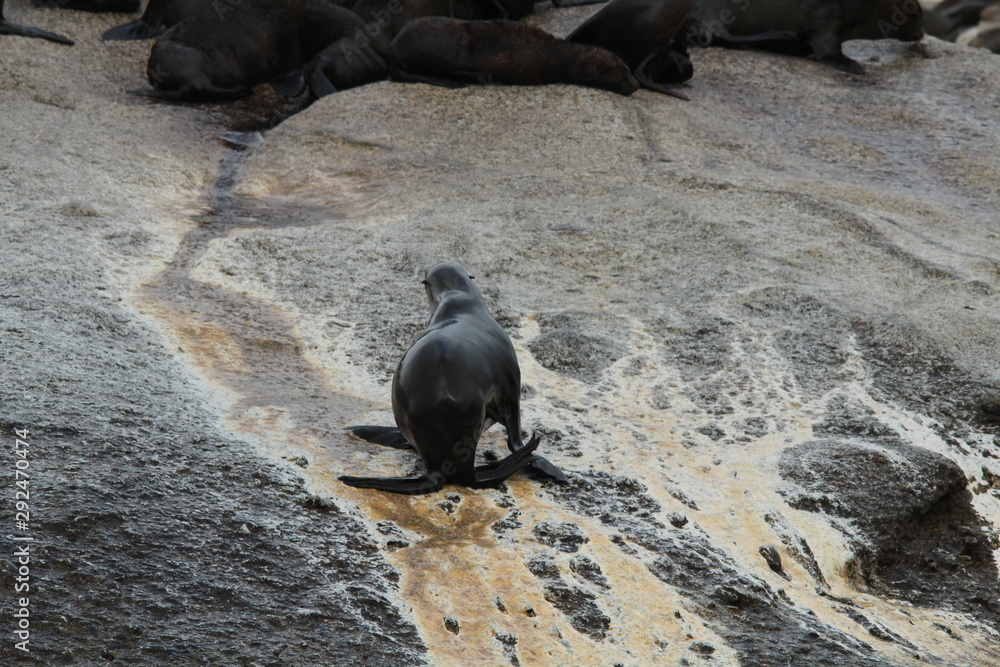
<point>242,342</point>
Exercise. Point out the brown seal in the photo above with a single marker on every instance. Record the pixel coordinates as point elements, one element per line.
<point>223,51</point>
<point>392,15</point>
<point>450,52</point>
<point>344,65</point>
<point>813,28</point>
<point>160,15</point>
<point>340,49</point>
<point>647,35</point>
<point>458,379</point>
<point>8,28</point>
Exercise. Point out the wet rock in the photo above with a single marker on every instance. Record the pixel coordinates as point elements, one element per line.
<point>508,641</point>
<point>797,546</point>
<point>689,563</point>
<point>577,604</point>
<point>578,354</point>
<point>566,537</point>
<point>874,629</point>
<point>701,648</point>
<point>508,523</point>
<point>589,571</point>
<point>773,559</point>
<point>909,515</point>
<point>580,609</point>
<point>811,334</point>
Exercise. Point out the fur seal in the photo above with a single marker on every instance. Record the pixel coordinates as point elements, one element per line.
<point>813,28</point>
<point>343,65</point>
<point>325,23</point>
<point>8,28</point>
<point>161,15</point>
<point>341,50</point>
<point>223,51</point>
<point>645,34</point>
<point>454,382</point>
<point>450,52</point>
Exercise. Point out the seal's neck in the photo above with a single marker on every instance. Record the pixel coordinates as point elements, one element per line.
<point>456,302</point>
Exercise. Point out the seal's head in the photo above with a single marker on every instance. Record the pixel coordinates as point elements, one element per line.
<point>886,19</point>
<point>603,69</point>
<point>447,277</point>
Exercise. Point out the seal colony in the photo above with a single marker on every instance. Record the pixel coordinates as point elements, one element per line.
<point>217,50</point>
<point>458,379</point>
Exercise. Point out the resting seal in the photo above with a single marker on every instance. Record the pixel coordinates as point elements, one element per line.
<point>814,28</point>
<point>642,33</point>
<point>450,52</point>
<point>340,49</point>
<point>454,382</point>
<point>387,17</point>
<point>220,54</point>
<point>8,28</point>
<point>343,65</point>
<point>160,15</point>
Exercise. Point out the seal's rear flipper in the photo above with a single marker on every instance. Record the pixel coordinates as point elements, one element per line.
<point>8,28</point>
<point>411,486</point>
<point>320,85</point>
<point>388,436</point>
<point>291,84</point>
<point>543,465</point>
<point>494,473</point>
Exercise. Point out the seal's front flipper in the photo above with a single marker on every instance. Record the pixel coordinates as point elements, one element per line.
<point>543,465</point>
<point>411,486</point>
<point>8,28</point>
<point>149,25</point>
<point>388,436</point>
<point>655,61</point>
<point>137,29</point>
<point>494,473</point>
<point>652,85</point>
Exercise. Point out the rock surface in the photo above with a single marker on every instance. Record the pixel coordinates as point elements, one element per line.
<point>758,330</point>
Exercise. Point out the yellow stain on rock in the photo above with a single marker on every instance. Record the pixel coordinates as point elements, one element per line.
<point>468,587</point>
